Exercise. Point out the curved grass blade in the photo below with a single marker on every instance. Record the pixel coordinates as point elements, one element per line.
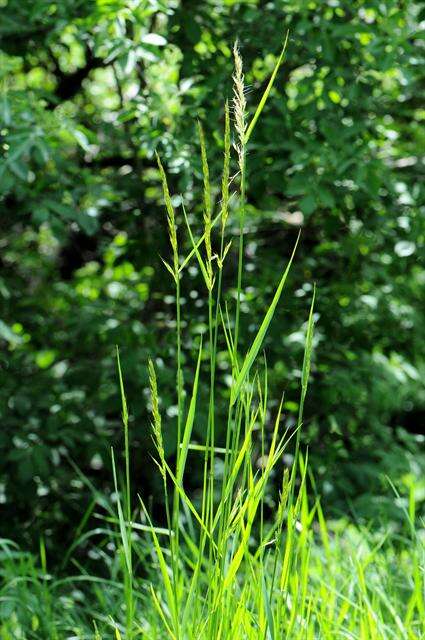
<point>256,345</point>
<point>189,421</point>
<point>263,100</point>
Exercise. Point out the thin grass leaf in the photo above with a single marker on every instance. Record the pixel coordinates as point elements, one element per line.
<point>229,342</point>
<point>189,503</point>
<point>189,421</point>
<point>258,341</point>
<point>162,566</point>
<point>198,244</point>
<point>122,523</point>
<point>269,613</point>
<point>169,268</point>
<point>161,613</point>
<point>171,218</point>
<point>205,270</point>
<point>263,100</point>
<point>126,437</point>
<point>308,346</point>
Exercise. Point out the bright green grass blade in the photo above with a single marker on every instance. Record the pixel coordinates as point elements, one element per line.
<point>243,452</point>
<point>189,421</point>
<point>122,524</point>
<point>205,273</point>
<point>126,438</point>
<point>196,247</point>
<point>172,229</point>
<point>250,508</point>
<point>269,613</point>
<point>189,503</point>
<point>308,346</point>
<point>163,567</point>
<point>229,340</point>
<point>97,635</point>
<point>258,341</point>
<point>263,100</point>
<point>161,613</point>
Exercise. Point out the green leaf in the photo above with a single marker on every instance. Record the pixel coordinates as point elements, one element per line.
<point>189,421</point>
<point>263,100</point>
<point>258,341</point>
<point>307,204</point>
<point>88,224</point>
<point>123,529</point>
<point>45,358</point>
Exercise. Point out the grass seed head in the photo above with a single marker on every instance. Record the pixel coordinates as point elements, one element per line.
<point>239,103</point>
<point>156,418</point>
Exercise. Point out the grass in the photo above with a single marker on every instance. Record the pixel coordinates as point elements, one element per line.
<point>233,562</point>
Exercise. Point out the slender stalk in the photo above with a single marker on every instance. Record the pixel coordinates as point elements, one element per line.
<point>128,574</point>
<point>175,271</point>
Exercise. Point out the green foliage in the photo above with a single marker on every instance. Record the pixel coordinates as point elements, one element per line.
<point>89,92</point>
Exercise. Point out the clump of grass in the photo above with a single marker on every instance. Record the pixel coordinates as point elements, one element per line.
<point>220,569</point>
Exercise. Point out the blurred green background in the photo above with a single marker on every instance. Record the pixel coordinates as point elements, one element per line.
<point>90,89</point>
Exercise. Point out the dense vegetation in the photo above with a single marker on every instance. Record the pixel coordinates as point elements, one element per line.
<point>90,90</point>
<point>228,537</point>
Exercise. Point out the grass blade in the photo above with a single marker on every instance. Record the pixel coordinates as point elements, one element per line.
<point>263,100</point>
<point>122,523</point>
<point>258,341</point>
<point>189,421</point>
